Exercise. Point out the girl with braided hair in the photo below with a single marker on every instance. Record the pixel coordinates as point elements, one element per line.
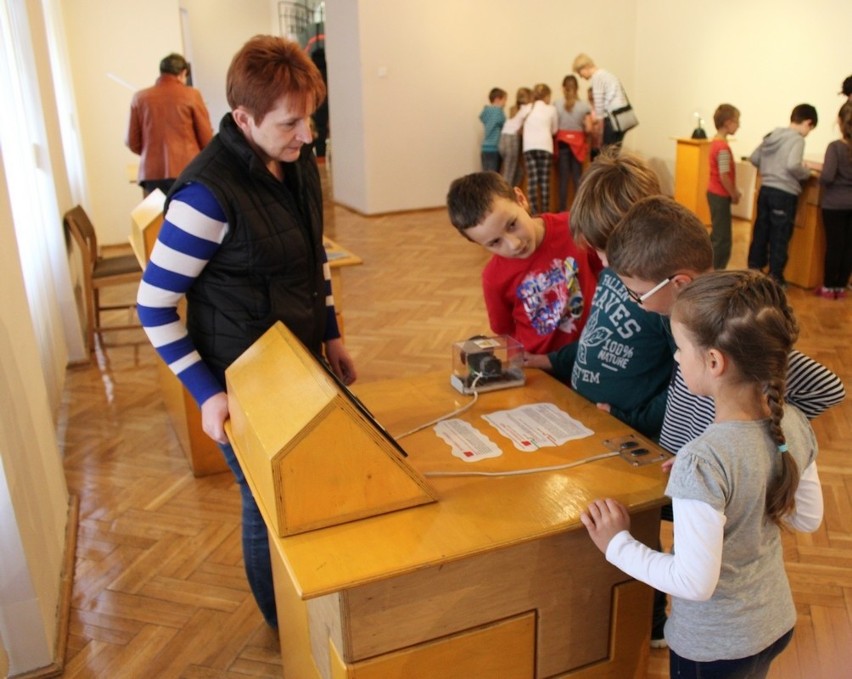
<point>750,474</point>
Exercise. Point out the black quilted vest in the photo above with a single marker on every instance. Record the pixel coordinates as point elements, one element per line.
<point>269,266</point>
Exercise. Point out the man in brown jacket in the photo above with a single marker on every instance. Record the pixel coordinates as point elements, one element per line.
<point>169,125</point>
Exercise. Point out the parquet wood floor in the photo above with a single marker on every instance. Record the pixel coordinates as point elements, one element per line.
<point>159,589</point>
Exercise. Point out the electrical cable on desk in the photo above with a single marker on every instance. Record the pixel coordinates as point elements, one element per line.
<point>533,470</point>
<point>457,411</point>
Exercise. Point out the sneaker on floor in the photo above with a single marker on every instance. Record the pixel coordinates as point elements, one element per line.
<point>839,293</point>
<point>825,293</point>
<point>659,643</point>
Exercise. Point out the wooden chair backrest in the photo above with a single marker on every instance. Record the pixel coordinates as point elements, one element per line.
<point>78,223</point>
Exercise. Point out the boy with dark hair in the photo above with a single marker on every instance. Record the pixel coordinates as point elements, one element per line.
<point>779,160</point>
<point>658,248</point>
<point>722,185</point>
<point>623,359</point>
<point>492,118</point>
<point>538,284</point>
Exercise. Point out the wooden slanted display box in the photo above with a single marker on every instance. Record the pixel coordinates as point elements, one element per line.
<point>145,222</point>
<point>314,455</point>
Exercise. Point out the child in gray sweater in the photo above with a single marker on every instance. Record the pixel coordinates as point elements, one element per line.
<point>782,171</point>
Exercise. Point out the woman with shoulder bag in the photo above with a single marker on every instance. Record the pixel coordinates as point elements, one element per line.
<point>610,100</point>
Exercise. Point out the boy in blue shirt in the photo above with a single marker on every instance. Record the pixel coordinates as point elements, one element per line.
<point>492,118</point>
<point>623,359</point>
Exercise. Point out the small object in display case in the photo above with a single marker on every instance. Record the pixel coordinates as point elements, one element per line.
<point>487,363</point>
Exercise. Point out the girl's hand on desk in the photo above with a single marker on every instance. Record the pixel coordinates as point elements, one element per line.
<point>604,519</point>
<point>667,465</point>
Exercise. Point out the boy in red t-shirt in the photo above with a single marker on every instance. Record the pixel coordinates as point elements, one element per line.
<point>539,285</point>
<point>722,185</point>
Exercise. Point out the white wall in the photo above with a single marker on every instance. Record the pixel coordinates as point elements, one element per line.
<point>115,48</point>
<point>217,31</point>
<point>113,52</point>
<point>763,56</point>
<point>33,495</point>
<point>399,139</point>
<point>425,68</point>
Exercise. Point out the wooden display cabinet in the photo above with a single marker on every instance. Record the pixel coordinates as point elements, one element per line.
<point>806,263</point>
<point>692,172</point>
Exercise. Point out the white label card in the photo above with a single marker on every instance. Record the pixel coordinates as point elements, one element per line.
<point>537,425</point>
<point>467,443</point>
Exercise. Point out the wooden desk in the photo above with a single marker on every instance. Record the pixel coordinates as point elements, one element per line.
<point>806,264</point>
<point>496,578</point>
<point>338,259</point>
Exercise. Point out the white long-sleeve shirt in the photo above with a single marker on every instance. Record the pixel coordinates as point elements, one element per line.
<point>541,124</point>
<point>730,594</point>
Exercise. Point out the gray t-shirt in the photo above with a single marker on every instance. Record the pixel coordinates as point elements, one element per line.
<point>729,467</point>
<point>573,119</point>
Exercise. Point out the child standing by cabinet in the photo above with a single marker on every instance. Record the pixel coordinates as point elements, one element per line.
<point>539,128</point>
<point>733,488</point>
<point>836,180</point>
<point>722,186</point>
<point>510,137</point>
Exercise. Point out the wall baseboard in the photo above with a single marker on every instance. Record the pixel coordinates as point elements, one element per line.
<point>66,588</point>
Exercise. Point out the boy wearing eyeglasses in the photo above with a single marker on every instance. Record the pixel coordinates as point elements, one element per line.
<point>623,359</point>
<point>657,249</point>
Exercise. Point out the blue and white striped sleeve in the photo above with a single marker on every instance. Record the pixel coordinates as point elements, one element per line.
<point>192,231</point>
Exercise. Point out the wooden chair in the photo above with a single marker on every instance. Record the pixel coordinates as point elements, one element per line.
<point>100,272</point>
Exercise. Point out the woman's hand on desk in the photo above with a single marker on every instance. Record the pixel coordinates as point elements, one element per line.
<point>604,519</point>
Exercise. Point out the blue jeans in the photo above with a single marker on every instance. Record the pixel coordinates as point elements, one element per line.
<point>490,161</point>
<point>773,227</point>
<point>753,667</point>
<point>569,169</point>
<point>255,545</point>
